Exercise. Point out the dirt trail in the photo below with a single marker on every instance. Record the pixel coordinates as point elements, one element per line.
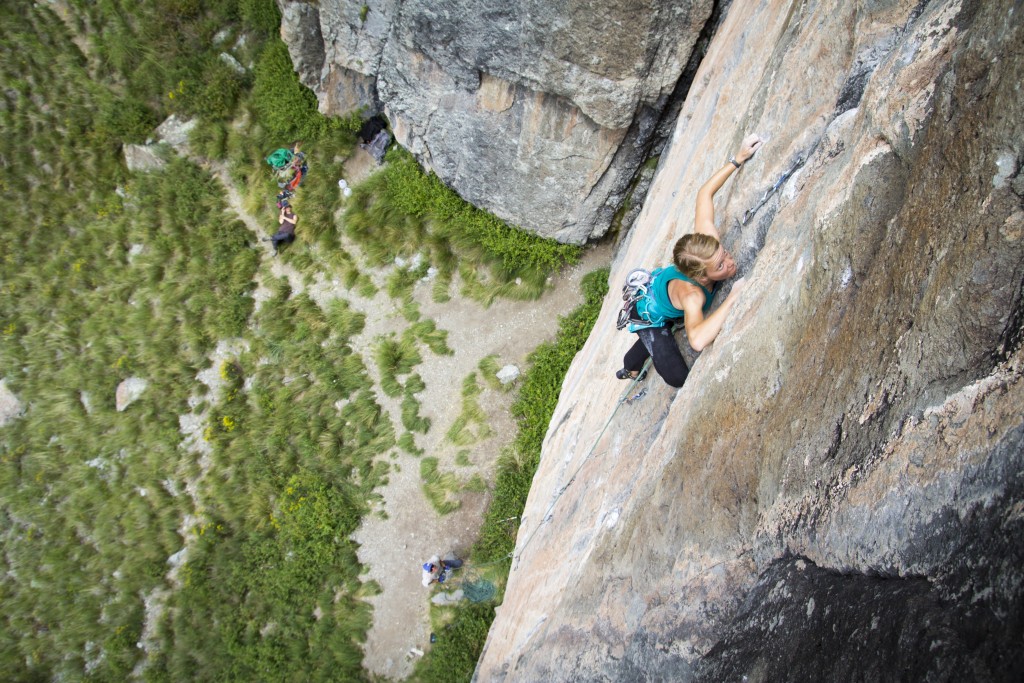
<point>394,548</point>
<point>405,531</point>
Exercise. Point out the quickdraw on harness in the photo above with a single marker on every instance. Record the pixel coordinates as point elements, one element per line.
<point>639,308</point>
<point>638,283</point>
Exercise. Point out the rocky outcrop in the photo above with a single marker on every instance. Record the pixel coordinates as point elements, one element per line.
<point>142,158</point>
<point>10,407</point>
<point>150,157</point>
<point>129,391</point>
<point>540,112</point>
<point>836,492</point>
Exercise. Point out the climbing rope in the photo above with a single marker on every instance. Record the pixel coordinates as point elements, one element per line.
<point>627,397</point>
<point>476,588</point>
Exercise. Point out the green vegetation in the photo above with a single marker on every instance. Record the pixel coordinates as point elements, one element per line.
<point>488,368</point>
<point>279,580</point>
<point>284,106</point>
<point>396,357</point>
<point>454,656</point>
<point>459,644</point>
<point>440,487</point>
<point>252,480</point>
<point>461,432</point>
<point>118,276</point>
<point>401,210</point>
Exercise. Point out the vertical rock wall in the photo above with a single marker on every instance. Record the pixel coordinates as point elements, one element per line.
<point>837,491</point>
<point>540,112</point>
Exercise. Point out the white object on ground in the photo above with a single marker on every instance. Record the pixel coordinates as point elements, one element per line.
<point>508,374</point>
<point>447,598</point>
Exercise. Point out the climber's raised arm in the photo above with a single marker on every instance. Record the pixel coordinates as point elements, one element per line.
<point>704,219</point>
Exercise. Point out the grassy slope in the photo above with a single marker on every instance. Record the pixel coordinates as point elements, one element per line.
<point>114,276</point>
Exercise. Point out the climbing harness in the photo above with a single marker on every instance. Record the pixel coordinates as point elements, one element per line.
<point>749,213</point>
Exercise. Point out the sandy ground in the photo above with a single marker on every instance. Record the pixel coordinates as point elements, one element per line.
<point>404,530</point>
<point>394,547</point>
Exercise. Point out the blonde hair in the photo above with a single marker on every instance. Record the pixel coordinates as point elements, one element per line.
<point>692,252</point>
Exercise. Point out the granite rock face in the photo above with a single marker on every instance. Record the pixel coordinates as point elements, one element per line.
<point>540,112</point>
<point>836,493</point>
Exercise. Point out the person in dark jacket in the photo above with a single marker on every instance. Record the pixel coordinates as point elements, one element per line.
<point>286,231</point>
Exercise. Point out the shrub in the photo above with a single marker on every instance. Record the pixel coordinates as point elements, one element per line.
<point>459,644</point>
<point>217,95</point>
<point>260,15</point>
<point>124,119</point>
<point>401,210</point>
<point>439,487</point>
<point>411,418</point>
<point>285,107</point>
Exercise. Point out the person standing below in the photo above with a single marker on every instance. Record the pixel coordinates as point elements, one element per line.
<point>431,571</point>
<point>286,231</point>
<point>684,290</point>
<point>435,570</point>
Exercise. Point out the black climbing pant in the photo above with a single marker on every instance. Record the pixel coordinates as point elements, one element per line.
<point>659,343</point>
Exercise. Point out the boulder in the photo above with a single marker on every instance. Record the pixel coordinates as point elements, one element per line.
<point>129,391</point>
<point>10,407</point>
<point>446,598</point>
<point>508,374</point>
<point>232,62</point>
<point>175,131</point>
<point>142,158</point>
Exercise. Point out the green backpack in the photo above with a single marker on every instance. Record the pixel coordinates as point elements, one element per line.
<point>280,159</point>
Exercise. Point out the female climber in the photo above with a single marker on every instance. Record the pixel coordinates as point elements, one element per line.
<point>685,289</point>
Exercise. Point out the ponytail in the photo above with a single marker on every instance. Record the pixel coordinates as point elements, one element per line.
<point>692,252</point>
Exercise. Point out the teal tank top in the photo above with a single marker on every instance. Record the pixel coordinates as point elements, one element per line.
<point>656,307</point>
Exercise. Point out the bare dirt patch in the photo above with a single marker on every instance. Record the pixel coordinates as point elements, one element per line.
<point>405,530</point>
<point>395,547</point>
